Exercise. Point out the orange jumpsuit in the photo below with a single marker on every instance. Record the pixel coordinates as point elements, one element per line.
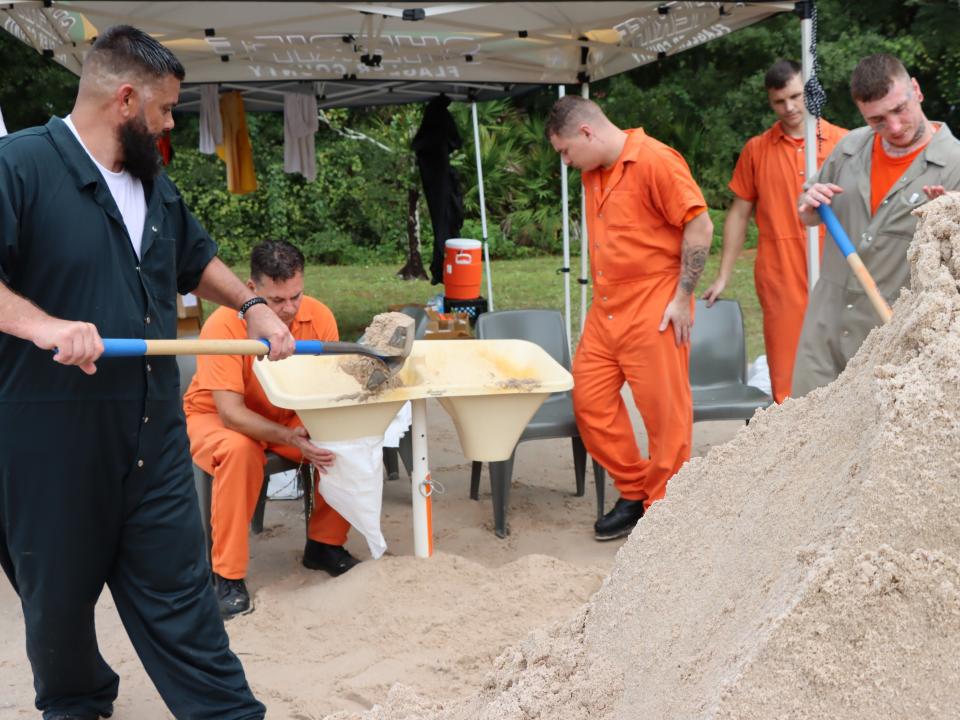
<point>636,211</point>
<point>235,461</point>
<point>769,174</point>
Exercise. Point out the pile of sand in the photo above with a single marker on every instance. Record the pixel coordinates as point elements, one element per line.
<point>806,569</point>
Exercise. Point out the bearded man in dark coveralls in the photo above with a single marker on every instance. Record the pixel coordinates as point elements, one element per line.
<point>95,481</point>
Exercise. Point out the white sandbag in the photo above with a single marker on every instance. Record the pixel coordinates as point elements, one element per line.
<point>353,486</point>
<point>758,375</point>
<point>398,426</point>
<point>284,485</point>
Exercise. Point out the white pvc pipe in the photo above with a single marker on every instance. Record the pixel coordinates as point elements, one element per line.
<point>565,203</point>
<point>810,154</point>
<point>421,485</point>
<point>584,244</point>
<point>483,206</point>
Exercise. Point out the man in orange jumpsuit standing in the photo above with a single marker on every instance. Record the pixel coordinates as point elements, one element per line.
<point>231,423</point>
<point>768,178</point>
<point>649,237</point>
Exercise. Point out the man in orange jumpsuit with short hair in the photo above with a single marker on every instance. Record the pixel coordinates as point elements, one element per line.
<point>231,423</point>
<point>768,178</point>
<point>649,236</point>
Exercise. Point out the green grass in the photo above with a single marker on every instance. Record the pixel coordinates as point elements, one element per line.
<point>357,293</point>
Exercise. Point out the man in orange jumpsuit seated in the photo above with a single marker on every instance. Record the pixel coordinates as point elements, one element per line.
<point>231,423</point>
<point>649,235</point>
<point>768,178</point>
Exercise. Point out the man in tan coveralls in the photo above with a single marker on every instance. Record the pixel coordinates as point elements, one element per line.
<point>873,179</point>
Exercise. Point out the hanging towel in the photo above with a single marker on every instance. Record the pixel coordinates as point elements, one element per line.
<point>3,128</point>
<point>211,127</point>
<point>300,123</point>
<point>235,150</point>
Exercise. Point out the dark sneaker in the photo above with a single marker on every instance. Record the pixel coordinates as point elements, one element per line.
<point>74,716</point>
<point>232,596</point>
<point>620,521</point>
<point>334,559</point>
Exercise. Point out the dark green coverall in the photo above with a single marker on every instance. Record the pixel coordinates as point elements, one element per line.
<point>96,482</point>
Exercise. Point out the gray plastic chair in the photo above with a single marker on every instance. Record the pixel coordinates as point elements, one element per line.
<point>187,364</point>
<point>555,417</point>
<point>718,365</point>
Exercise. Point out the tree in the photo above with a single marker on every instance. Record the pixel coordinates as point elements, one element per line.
<point>32,87</point>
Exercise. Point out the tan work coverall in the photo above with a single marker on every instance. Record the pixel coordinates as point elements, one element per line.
<point>839,316</point>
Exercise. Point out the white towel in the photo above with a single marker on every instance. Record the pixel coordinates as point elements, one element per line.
<point>3,128</point>
<point>211,126</point>
<point>300,122</point>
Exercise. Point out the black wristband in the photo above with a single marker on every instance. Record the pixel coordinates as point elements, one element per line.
<point>249,304</point>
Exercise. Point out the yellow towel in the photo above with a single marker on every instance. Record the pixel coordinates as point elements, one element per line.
<point>236,151</point>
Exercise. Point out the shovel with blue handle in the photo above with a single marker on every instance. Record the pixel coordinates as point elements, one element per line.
<point>856,264</point>
<point>390,353</point>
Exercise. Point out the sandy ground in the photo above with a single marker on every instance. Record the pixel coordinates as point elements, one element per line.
<point>316,645</point>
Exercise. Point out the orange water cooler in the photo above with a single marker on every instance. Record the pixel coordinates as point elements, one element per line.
<point>462,269</point>
<point>462,277</point>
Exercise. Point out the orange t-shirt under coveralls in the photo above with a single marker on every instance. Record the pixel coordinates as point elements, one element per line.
<point>770,174</point>
<point>636,211</point>
<point>885,170</point>
<point>235,461</point>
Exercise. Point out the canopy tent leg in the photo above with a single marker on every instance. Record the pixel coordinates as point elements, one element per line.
<point>422,484</point>
<point>805,10</point>
<point>584,244</point>
<point>483,205</point>
<point>565,204</point>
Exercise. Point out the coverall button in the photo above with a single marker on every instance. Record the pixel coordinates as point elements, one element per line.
<point>138,268</point>
<point>850,306</point>
<point>146,419</point>
<point>609,317</point>
<point>604,298</point>
<point>147,319</point>
<point>149,369</point>
<point>153,227</point>
<point>599,272</point>
<point>139,463</point>
<point>846,332</point>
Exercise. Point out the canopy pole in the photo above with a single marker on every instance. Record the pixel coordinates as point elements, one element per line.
<point>565,216</point>
<point>584,240</point>
<point>805,11</point>
<point>483,205</point>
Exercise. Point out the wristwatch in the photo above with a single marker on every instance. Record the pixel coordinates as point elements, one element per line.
<point>249,304</point>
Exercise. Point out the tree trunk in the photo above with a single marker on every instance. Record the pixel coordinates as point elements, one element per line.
<point>413,269</point>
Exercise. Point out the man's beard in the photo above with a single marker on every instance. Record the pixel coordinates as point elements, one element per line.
<point>140,155</point>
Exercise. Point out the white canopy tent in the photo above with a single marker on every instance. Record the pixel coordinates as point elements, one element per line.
<point>376,53</point>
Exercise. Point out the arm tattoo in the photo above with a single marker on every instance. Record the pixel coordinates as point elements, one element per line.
<point>693,261</point>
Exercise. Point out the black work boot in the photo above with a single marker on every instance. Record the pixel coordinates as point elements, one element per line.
<point>232,596</point>
<point>620,521</point>
<point>334,559</point>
